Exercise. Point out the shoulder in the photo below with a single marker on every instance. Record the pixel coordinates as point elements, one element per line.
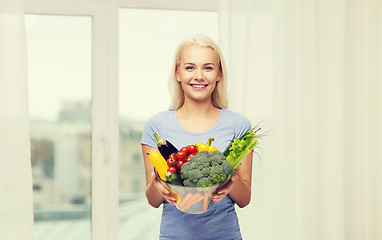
<point>161,115</point>
<point>240,123</point>
<point>235,115</point>
<point>159,118</point>
<point>236,118</point>
<point>155,124</point>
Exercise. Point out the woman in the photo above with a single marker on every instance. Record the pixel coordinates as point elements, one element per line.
<point>198,111</point>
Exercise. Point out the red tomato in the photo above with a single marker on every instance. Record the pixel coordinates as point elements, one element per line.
<point>189,156</point>
<point>192,149</point>
<point>179,164</point>
<point>171,169</point>
<point>180,155</point>
<point>172,155</point>
<point>184,149</point>
<point>171,162</point>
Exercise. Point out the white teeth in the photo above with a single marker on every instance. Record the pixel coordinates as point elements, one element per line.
<point>198,86</point>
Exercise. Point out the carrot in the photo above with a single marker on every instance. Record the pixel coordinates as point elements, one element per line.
<point>205,201</point>
<point>194,199</point>
<point>183,202</point>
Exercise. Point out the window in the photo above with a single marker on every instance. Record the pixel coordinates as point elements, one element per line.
<point>73,50</point>
<point>59,75</point>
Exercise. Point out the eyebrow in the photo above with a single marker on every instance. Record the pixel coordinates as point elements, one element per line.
<point>195,64</point>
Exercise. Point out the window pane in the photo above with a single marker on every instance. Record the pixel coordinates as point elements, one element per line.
<point>147,41</point>
<point>59,75</point>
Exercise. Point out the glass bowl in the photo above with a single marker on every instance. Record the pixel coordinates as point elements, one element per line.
<point>193,200</point>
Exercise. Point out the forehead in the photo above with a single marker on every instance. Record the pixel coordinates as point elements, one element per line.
<point>198,54</point>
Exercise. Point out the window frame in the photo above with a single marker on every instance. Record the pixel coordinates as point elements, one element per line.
<point>104,210</point>
<point>105,131</point>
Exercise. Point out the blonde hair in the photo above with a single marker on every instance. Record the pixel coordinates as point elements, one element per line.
<point>219,95</point>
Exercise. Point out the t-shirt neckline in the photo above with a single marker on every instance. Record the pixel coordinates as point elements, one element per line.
<point>197,133</point>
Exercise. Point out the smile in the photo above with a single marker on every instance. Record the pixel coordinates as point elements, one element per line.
<point>198,86</point>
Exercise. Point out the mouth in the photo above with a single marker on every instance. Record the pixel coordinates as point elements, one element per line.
<point>198,86</point>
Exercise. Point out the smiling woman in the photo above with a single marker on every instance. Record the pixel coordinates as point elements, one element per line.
<point>143,73</point>
<point>198,77</point>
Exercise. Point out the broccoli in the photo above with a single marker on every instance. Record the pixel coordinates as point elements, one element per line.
<point>228,168</point>
<point>173,178</point>
<point>189,183</point>
<point>206,169</point>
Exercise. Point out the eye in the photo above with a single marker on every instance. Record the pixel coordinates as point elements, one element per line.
<point>209,67</point>
<point>189,67</point>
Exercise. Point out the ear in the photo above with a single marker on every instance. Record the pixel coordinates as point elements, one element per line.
<point>218,78</point>
<point>177,76</point>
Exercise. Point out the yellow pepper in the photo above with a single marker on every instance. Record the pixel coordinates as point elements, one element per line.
<point>206,147</point>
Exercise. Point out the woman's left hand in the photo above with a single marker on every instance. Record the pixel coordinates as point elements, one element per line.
<point>222,191</point>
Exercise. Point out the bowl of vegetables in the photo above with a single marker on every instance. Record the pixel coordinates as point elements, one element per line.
<point>193,200</point>
<point>197,180</point>
<point>193,173</point>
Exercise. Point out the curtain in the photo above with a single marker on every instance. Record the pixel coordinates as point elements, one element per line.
<point>313,70</point>
<point>16,207</point>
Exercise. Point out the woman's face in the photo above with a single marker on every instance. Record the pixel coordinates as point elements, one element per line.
<point>198,73</point>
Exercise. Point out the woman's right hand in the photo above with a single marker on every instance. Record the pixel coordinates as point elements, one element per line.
<point>162,188</point>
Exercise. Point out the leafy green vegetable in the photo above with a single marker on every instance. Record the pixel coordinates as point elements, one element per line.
<point>241,147</point>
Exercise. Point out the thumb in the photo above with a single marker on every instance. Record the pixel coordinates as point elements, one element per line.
<point>234,177</point>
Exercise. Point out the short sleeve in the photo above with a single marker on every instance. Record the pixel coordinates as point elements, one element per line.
<point>242,125</point>
<point>149,129</point>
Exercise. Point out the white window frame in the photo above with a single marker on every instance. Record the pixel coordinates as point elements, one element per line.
<point>104,106</point>
<point>105,132</point>
<point>194,5</point>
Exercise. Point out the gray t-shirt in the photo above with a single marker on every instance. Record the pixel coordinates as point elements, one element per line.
<point>220,221</point>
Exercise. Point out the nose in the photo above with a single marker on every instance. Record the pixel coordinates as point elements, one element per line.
<point>198,75</point>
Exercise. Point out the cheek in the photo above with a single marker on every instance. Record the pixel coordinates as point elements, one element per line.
<point>214,77</point>
<point>185,77</point>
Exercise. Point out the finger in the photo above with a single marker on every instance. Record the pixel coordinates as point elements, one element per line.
<point>160,186</point>
<point>168,195</point>
<point>217,197</point>
<point>233,177</point>
<point>171,200</point>
<point>230,182</point>
<point>226,188</point>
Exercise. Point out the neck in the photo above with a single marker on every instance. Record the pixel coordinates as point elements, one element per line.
<point>198,108</point>
<point>197,117</point>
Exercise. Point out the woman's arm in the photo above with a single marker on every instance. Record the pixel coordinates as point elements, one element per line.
<point>239,187</point>
<point>156,192</point>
